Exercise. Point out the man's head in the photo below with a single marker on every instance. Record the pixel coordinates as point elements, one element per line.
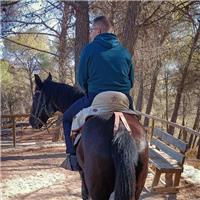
<point>100,25</point>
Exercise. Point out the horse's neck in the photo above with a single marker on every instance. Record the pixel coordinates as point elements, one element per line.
<point>66,96</point>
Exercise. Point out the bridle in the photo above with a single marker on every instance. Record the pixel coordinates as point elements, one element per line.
<point>41,107</point>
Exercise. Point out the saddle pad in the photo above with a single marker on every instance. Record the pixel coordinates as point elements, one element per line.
<point>119,116</point>
<point>111,100</point>
<point>105,102</point>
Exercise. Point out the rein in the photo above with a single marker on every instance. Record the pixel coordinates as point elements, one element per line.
<point>43,106</point>
<point>38,111</point>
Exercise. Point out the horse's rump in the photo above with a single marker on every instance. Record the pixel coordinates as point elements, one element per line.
<point>110,160</point>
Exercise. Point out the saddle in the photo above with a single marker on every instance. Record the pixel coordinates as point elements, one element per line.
<point>104,103</point>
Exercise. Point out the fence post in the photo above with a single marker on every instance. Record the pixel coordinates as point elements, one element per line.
<point>190,141</point>
<point>14,131</point>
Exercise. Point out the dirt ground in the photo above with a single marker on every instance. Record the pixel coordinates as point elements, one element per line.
<point>31,171</point>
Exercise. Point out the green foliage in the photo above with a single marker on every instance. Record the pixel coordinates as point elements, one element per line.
<point>15,92</point>
<point>7,85</point>
<point>5,75</point>
<point>32,40</point>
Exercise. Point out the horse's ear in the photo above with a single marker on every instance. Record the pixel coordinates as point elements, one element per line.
<point>49,78</point>
<point>38,81</point>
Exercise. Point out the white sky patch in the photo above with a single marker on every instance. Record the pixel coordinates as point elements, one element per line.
<point>1,48</point>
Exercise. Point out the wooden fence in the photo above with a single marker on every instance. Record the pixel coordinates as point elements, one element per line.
<point>188,135</point>
<point>13,123</point>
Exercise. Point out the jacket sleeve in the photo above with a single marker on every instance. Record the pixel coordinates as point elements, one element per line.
<point>83,70</point>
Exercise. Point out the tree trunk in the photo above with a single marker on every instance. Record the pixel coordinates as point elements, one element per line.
<point>10,107</point>
<point>31,83</point>
<point>197,118</point>
<point>181,85</point>
<point>152,91</point>
<point>82,31</point>
<point>166,96</point>
<point>181,132</point>
<point>130,29</point>
<point>198,151</point>
<point>140,92</point>
<point>63,45</point>
<point>184,133</point>
<point>195,126</point>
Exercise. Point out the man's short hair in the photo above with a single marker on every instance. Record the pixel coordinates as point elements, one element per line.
<point>104,23</point>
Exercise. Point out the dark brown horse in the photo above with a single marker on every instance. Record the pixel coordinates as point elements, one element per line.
<point>112,164</point>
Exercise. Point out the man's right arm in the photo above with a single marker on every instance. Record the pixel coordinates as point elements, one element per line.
<point>83,70</point>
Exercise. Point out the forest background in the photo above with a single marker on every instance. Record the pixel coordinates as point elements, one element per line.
<point>42,36</point>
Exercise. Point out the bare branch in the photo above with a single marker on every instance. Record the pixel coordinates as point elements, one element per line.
<point>8,3</point>
<point>19,21</point>
<point>31,47</point>
<point>153,13</point>
<point>147,22</point>
<point>32,33</point>
<point>43,23</point>
<point>55,6</point>
<point>32,23</point>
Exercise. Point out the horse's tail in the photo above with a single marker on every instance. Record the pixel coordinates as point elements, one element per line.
<point>125,158</point>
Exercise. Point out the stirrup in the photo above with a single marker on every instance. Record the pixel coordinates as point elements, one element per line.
<point>70,163</point>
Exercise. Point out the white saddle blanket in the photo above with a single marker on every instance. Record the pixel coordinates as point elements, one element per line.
<point>105,102</point>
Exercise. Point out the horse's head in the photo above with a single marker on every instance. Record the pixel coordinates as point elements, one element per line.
<point>42,106</point>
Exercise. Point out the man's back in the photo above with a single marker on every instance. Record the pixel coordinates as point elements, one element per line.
<point>106,65</point>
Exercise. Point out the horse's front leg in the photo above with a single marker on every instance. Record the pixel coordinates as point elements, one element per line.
<point>84,190</point>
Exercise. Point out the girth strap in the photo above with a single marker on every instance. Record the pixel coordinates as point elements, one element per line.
<point>120,116</point>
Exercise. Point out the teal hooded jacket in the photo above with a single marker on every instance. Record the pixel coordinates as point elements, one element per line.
<point>105,65</point>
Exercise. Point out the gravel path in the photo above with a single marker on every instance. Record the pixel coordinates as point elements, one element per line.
<point>34,173</point>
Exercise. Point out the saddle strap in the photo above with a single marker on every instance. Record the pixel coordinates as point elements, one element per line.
<point>120,116</point>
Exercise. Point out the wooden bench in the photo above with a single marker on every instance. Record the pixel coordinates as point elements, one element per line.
<point>166,156</point>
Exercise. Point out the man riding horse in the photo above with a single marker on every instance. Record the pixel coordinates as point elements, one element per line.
<point>105,65</point>
<point>113,151</point>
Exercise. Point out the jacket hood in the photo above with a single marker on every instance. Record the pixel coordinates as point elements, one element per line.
<point>108,40</point>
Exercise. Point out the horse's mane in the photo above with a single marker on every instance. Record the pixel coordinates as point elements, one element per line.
<point>62,94</point>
